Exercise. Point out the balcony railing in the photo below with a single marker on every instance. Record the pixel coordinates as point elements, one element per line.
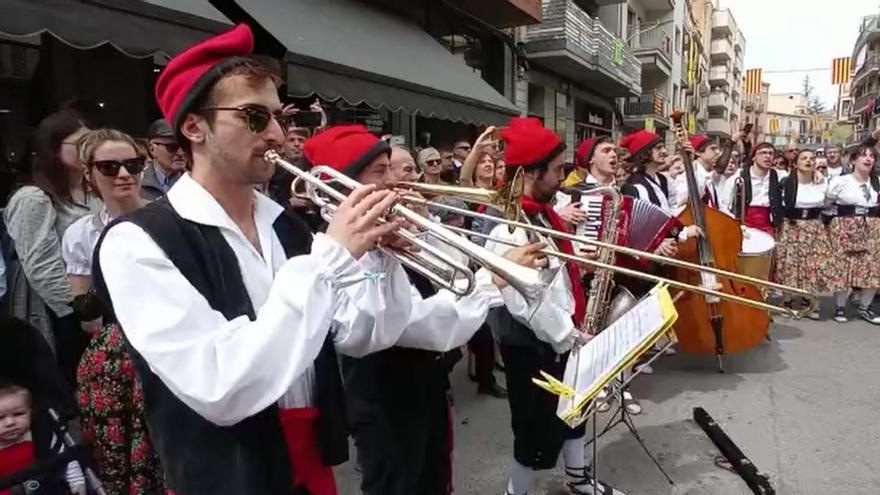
<point>719,74</point>
<point>870,66</point>
<point>723,21</point>
<point>566,25</point>
<point>870,30</point>
<point>612,55</point>
<point>650,104</point>
<point>653,39</point>
<point>862,103</point>
<point>721,48</point>
<point>718,99</point>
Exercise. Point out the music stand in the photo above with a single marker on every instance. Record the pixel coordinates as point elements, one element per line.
<point>621,415</point>
<point>597,365</point>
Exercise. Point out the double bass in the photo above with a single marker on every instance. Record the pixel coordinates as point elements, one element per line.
<point>711,325</point>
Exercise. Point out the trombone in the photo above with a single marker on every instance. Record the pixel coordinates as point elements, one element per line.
<point>490,197</point>
<point>320,186</point>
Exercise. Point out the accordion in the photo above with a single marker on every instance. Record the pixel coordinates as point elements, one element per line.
<point>641,224</point>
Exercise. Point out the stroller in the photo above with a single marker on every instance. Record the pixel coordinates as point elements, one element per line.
<point>27,360</point>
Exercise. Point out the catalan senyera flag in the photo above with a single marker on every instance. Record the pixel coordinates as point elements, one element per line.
<point>773,126</point>
<point>753,82</point>
<point>840,70</point>
<point>658,104</point>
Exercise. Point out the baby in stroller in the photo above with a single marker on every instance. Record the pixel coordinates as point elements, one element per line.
<point>19,447</point>
<point>37,454</point>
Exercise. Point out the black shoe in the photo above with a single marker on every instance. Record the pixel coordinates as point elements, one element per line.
<point>582,483</point>
<point>870,316</point>
<point>840,315</point>
<point>494,390</point>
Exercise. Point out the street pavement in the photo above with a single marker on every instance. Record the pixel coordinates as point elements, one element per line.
<point>802,407</point>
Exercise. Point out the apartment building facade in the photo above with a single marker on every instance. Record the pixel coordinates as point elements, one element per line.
<point>578,66</point>
<point>727,51</point>
<point>864,88</point>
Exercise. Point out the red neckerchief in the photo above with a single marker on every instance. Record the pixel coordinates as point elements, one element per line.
<point>532,208</point>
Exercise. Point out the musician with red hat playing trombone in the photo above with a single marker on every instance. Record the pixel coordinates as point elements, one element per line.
<point>396,398</point>
<point>233,308</point>
<point>542,342</point>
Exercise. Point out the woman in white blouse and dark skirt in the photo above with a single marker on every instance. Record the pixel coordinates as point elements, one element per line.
<point>109,396</point>
<point>855,234</point>
<point>802,244</point>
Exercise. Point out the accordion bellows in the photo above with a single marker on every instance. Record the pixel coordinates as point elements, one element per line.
<point>641,224</point>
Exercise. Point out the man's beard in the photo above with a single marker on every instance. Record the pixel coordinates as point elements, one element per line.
<point>229,165</point>
<point>545,196</point>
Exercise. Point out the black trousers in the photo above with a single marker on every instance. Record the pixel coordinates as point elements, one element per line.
<point>482,344</point>
<point>538,434</point>
<point>402,443</point>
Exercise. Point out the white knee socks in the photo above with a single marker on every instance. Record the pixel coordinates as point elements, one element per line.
<point>521,478</point>
<point>573,454</point>
<point>840,299</point>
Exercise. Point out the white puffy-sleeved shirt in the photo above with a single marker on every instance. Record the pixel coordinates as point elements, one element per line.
<point>551,318</point>
<point>227,370</point>
<point>79,241</point>
<point>849,190</point>
<point>761,188</point>
<point>563,199</point>
<point>811,195</point>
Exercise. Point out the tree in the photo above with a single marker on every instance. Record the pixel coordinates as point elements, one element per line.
<point>841,134</point>
<point>814,103</point>
<point>808,88</point>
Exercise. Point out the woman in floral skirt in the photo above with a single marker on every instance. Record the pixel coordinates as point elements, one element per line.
<point>109,393</point>
<point>854,232</point>
<point>802,244</point>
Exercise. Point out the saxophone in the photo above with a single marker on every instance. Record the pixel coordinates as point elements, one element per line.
<point>601,309</point>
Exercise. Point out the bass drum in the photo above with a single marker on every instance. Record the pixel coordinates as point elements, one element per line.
<point>756,257</point>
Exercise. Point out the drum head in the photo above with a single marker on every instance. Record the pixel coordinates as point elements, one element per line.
<point>757,242</point>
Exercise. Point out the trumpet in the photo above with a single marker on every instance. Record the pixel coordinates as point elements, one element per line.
<point>319,185</point>
<point>469,194</point>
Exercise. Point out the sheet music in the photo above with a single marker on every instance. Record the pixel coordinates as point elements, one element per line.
<point>592,362</point>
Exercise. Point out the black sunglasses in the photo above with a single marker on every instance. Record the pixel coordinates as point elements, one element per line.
<point>110,168</point>
<point>258,117</point>
<point>169,147</point>
<point>433,162</point>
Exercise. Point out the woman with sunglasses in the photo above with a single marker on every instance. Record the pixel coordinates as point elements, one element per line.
<point>109,396</point>
<point>53,197</point>
<point>854,233</point>
<point>802,246</point>
<point>430,164</point>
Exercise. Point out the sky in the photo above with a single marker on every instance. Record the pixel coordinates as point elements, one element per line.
<point>799,34</point>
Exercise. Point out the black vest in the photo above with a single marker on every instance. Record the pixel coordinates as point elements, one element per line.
<point>777,209</point>
<point>401,374</point>
<point>629,189</point>
<point>200,457</point>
